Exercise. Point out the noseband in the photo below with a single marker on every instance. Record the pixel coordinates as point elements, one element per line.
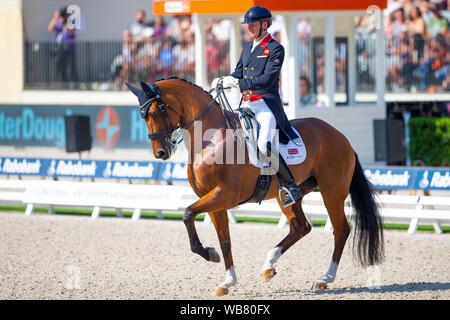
<point>155,95</point>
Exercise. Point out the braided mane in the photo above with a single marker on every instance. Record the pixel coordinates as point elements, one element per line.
<point>191,83</point>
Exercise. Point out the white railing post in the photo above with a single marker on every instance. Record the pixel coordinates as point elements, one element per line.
<point>29,209</point>
<point>414,223</point>
<point>136,214</point>
<point>231,217</point>
<point>95,212</point>
<point>207,219</point>
<point>328,226</point>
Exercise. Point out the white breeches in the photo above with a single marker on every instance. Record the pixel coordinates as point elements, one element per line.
<point>267,123</point>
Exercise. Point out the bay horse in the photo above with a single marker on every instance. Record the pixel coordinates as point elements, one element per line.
<point>331,164</point>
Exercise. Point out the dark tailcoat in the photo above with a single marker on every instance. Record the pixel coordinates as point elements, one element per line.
<point>259,71</point>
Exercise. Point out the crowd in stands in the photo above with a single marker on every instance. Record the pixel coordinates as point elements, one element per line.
<point>418,35</point>
<point>417,48</point>
<point>156,49</point>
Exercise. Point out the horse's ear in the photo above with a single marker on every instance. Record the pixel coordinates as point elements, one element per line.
<point>146,88</point>
<point>136,91</point>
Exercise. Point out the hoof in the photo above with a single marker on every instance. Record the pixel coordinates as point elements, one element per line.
<point>219,292</point>
<point>268,274</point>
<point>320,286</point>
<point>213,255</point>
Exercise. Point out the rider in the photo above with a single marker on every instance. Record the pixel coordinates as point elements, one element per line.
<point>257,75</point>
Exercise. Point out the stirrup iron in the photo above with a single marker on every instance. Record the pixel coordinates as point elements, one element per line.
<point>291,200</point>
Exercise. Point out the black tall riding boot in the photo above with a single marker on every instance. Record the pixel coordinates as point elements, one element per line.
<point>287,184</point>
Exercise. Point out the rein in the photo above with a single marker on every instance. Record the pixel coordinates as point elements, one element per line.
<point>167,134</point>
<point>155,95</point>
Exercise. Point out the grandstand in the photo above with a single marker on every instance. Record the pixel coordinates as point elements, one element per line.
<point>339,53</point>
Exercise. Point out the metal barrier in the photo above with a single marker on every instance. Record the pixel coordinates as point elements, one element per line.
<point>413,62</point>
<point>106,65</point>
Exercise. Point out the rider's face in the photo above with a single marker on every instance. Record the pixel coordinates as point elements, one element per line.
<point>253,29</point>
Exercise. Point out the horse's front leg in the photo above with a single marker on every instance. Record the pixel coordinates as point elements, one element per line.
<point>220,221</point>
<point>213,201</point>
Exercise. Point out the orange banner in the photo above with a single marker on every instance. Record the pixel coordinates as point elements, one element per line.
<point>240,6</point>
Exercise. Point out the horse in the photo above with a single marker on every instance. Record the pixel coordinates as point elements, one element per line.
<point>331,165</point>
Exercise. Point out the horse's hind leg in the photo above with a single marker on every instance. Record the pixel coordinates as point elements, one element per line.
<point>334,202</point>
<point>298,228</point>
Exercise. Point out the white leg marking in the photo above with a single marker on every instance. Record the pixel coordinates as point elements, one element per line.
<point>230,279</point>
<point>330,274</point>
<point>272,258</point>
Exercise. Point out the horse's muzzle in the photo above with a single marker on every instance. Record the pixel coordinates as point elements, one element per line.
<point>163,154</point>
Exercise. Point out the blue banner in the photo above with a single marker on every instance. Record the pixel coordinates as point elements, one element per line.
<point>407,178</point>
<point>384,178</point>
<point>105,169</point>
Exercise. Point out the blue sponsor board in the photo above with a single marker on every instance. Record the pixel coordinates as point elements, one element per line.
<point>407,178</point>
<point>106,169</point>
<point>385,178</point>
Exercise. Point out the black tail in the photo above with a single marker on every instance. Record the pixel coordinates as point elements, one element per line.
<point>368,240</point>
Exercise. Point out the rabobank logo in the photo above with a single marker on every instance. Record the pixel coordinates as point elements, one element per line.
<point>424,182</point>
<point>387,178</point>
<point>108,127</point>
<point>440,180</point>
<point>20,166</point>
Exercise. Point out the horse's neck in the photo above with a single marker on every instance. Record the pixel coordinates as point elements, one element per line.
<point>211,120</point>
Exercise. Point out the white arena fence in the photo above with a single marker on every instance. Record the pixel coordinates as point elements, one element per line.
<point>412,210</point>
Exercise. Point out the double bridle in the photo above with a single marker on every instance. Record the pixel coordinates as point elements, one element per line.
<point>155,95</point>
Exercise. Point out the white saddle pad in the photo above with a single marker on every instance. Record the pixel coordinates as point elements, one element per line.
<point>291,153</point>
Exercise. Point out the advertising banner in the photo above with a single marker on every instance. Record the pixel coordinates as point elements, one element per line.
<point>383,178</point>
<point>43,125</point>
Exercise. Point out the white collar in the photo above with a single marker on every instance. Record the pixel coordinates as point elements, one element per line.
<point>256,43</point>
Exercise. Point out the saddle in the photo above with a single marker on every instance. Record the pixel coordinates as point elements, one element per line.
<point>290,152</point>
<point>251,131</point>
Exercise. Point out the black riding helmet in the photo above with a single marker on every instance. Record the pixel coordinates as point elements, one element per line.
<point>258,13</point>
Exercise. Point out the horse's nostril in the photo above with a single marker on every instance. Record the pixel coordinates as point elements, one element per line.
<point>161,154</point>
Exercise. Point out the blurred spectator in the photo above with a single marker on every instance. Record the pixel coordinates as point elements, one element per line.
<point>184,55</point>
<point>307,97</point>
<point>396,24</point>
<point>159,27</point>
<point>408,6</point>
<point>128,53</point>
<point>139,28</point>
<point>174,28</point>
<point>304,28</point>
<point>186,28</point>
<point>437,23</point>
<point>424,7</point>
<point>417,28</point>
<point>65,49</point>
<point>221,29</point>
<point>165,60</point>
